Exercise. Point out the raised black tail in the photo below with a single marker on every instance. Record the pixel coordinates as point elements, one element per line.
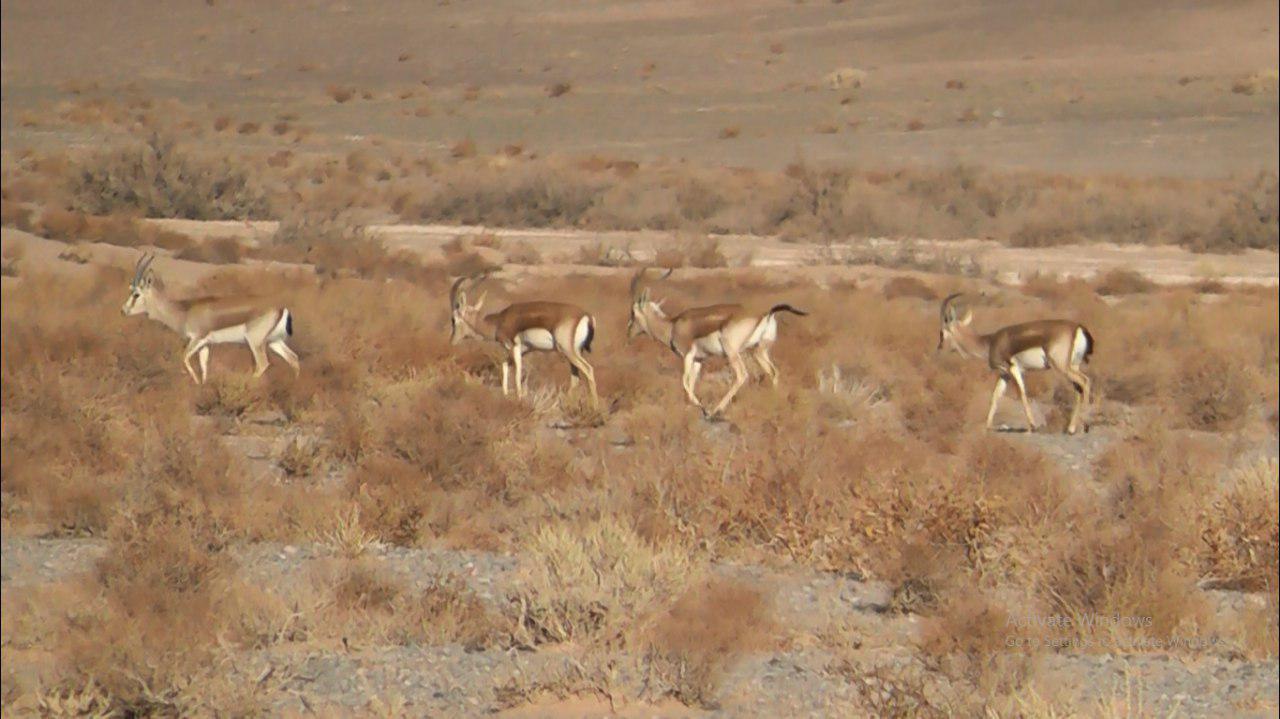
<point>787,308</point>
<point>288,323</point>
<point>1088,343</point>
<point>591,334</point>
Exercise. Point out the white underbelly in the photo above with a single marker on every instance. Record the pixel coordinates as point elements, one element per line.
<point>709,346</point>
<point>1033,358</point>
<point>537,339</point>
<point>229,335</point>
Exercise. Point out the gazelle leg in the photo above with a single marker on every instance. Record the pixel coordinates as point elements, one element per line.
<point>287,354</point>
<point>192,348</point>
<point>1083,386</point>
<point>506,377</point>
<point>203,354</point>
<point>690,377</point>
<point>260,362</point>
<point>517,353</point>
<point>584,368</point>
<point>1001,386</point>
<point>1016,371</point>
<point>739,378</point>
<point>761,355</point>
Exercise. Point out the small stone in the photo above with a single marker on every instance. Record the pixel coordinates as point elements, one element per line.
<point>290,550</point>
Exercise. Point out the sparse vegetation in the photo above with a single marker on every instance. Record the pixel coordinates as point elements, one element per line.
<point>388,534</point>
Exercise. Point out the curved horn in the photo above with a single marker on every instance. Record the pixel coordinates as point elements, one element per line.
<point>140,269</point>
<point>453,291</point>
<point>635,281</point>
<point>948,312</point>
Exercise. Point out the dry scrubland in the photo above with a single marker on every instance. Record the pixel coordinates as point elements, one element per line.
<point>164,173</point>
<point>852,537</point>
<point>866,461</point>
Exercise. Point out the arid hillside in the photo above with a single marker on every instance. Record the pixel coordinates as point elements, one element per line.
<point>1146,88</point>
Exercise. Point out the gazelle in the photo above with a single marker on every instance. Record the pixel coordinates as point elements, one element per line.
<point>209,321</point>
<point>727,330</point>
<point>526,327</point>
<point>1060,345</point>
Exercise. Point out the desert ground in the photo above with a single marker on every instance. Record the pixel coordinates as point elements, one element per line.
<point>386,533</point>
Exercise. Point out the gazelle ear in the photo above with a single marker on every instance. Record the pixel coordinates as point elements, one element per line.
<point>968,317</point>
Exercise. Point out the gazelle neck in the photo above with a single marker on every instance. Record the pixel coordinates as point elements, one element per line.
<point>657,324</point>
<point>164,310</point>
<point>971,343</point>
<point>483,326</point>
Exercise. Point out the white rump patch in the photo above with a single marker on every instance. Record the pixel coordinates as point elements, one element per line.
<point>765,332</point>
<point>580,333</point>
<point>1079,347</point>
<point>281,330</point>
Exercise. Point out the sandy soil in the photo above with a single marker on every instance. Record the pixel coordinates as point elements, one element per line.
<point>1145,87</point>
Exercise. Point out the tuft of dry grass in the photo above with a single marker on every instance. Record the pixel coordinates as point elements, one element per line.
<point>907,286</point>
<point>1123,282</point>
<point>559,89</point>
<point>697,639</point>
<point>589,583</point>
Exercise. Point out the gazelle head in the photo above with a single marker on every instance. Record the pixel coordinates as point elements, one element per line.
<point>142,287</point>
<point>642,306</point>
<point>953,323</point>
<point>462,315</point>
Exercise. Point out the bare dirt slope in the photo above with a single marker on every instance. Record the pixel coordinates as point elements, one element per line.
<point>1180,88</point>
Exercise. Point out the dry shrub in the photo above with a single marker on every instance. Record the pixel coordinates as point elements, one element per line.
<point>1213,390</point>
<point>968,642</point>
<point>59,224</point>
<point>463,149</point>
<point>1239,530</point>
<point>522,253</point>
<point>908,287</point>
<point>915,124</point>
<point>696,641</point>
<point>1123,282</point>
<point>118,640</point>
<point>248,128</point>
<point>223,250</point>
<point>705,252</point>
<point>221,123</point>
<point>728,133</point>
<point>301,457</point>
<point>369,605</point>
<point>955,84</point>
<point>340,94</point>
<point>159,179</point>
<point>431,451</point>
<point>591,583</point>
<point>280,159</point>
<point>558,89</point>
